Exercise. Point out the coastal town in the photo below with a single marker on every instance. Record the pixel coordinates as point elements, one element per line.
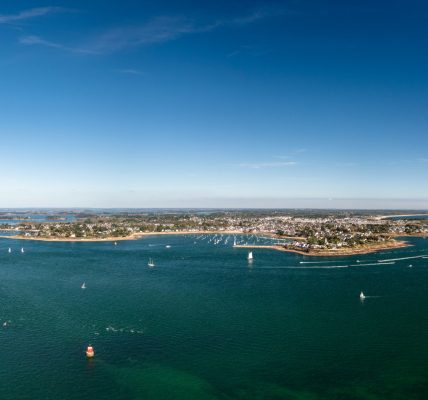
<point>309,233</point>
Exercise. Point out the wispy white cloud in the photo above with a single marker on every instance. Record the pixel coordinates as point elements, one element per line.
<point>249,18</point>
<point>161,29</point>
<point>158,30</point>
<point>267,165</point>
<point>236,22</point>
<point>130,71</point>
<point>250,51</point>
<point>32,40</point>
<point>28,14</point>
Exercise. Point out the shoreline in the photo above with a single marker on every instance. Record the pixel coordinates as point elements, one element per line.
<point>396,244</point>
<point>393,244</point>
<point>135,236</point>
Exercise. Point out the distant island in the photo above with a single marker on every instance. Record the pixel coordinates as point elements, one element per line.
<point>308,232</point>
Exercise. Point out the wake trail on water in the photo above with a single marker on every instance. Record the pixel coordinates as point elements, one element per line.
<point>378,263</point>
<point>111,328</point>
<point>311,267</point>
<point>318,262</point>
<point>402,258</point>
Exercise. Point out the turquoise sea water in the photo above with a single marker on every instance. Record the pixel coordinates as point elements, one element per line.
<point>206,324</point>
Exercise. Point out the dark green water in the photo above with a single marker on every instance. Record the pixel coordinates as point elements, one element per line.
<point>204,324</point>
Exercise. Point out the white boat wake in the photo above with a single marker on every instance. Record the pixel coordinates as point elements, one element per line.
<point>378,263</point>
<point>402,258</point>
<point>318,262</point>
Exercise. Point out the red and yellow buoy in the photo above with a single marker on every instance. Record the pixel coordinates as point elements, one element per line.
<point>90,352</point>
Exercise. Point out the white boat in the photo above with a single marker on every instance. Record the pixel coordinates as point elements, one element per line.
<point>83,285</point>
<point>250,255</point>
<point>22,250</point>
<point>115,243</point>
<point>168,246</point>
<point>9,250</point>
<point>151,263</point>
<point>362,296</point>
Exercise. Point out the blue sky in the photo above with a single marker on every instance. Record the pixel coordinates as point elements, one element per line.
<point>214,104</point>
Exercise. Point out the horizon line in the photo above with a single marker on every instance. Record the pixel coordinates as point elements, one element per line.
<point>422,210</point>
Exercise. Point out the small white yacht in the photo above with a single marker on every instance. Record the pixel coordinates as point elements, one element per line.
<point>22,250</point>
<point>250,256</point>
<point>151,263</point>
<point>83,285</point>
<point>9,250</point>
<point>362,296</point>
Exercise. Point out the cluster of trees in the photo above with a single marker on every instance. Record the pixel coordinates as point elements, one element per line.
<point>355,240</point>
<point>5,226</point>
